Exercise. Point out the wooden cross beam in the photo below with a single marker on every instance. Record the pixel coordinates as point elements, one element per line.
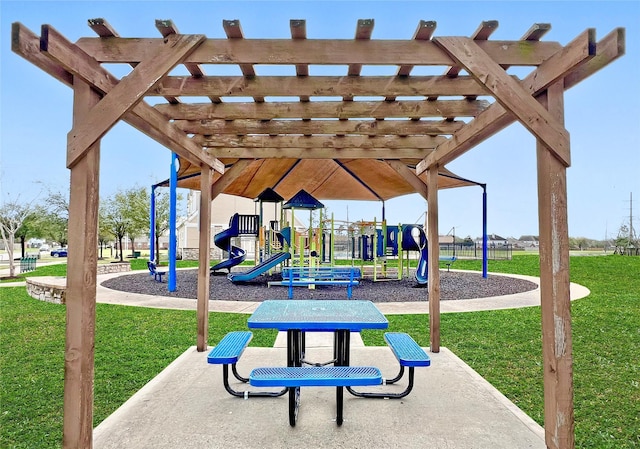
<point>573,59</point>
<point>62,53</point>
<point>510,94</point>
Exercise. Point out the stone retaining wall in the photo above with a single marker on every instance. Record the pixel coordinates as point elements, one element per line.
<point>54,288</point>
<point>120,267</point>
<point>48,288</point>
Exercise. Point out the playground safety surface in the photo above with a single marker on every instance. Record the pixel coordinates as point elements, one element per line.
<point>454,285</point>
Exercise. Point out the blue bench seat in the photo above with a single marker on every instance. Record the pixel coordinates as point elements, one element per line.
<point>294,377</point>
<point>409,354</point>
<point>228,352</point>
<point>305,276</point>
<point>448,260</point>
<point>153,271</point>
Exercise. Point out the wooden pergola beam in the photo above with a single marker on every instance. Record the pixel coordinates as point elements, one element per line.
<point>510,94</point>
<point>309,127</point>
<point>142,116</point>
<point>316,86</point>
<point>573,57</point>
<point>321,142</point>
<point>318,51</point>
<point>292,152</point>
<point>324,109</point>
<point>230,175</point>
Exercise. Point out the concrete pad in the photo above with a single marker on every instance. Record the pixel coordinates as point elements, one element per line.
<point>186,406</point>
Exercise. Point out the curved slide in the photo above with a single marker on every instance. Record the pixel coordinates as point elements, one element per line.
<point>236,254</point>
<point>413,241</point>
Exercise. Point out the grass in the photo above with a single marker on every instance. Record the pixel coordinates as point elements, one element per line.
<point>135,344</point>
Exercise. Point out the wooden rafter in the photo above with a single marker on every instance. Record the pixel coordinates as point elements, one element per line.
<point>578,60</point>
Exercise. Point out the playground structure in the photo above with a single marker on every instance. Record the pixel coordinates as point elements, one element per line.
<point>369,245</point>
<point>271,242</point>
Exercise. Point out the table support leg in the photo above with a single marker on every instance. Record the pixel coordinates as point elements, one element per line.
<point>295,347</point>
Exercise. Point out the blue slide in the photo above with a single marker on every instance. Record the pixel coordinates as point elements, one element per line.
<point>417,242</point>
<point>223,241</point>
<point>265,265</point>
<point>259,269</point>
<point>422,274</point>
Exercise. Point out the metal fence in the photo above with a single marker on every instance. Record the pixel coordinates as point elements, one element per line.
<point>462,251</point>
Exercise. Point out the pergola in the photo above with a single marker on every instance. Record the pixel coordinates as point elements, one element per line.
<point>338,137</point>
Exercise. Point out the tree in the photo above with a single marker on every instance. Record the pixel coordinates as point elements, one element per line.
<point>104,232</point>
<point>161,219</point>
<point>136,207</point>
<point>114,219</point>
<point>12,216</point>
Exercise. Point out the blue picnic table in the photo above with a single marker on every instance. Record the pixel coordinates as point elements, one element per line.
<point>299,316</point>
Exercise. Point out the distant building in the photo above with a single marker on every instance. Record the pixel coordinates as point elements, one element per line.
<point>223,207</point>
<point>528,241</point>
<point>493,240</point>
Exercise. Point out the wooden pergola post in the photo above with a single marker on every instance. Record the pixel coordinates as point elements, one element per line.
<point>554,287</point>
<point>434,259</point>
<point>204,258</point>
<point>81,283</point>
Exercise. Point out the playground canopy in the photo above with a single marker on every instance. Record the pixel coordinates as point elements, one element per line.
<point>346,136</point>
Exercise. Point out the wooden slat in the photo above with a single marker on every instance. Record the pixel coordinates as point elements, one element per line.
<point>234,32</point>
<point>143,117</point>
<point>293,152</point>
<point>536,32</point>
<point>102,28</point>
<point>573,56</point>
<point>319,86</point>
<point>510,94</point>
<point>126,94</point>
<point>318,51</point>
<point>423,33</point>
<point>299,31</point>
<point>167,28</point>
<point>324,109</point>
<point>322,142</point>
<point>554,287</point>
<point>364,127</point>
<point>364,29</point>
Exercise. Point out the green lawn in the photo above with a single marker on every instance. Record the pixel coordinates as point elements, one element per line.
<point>135,344</point>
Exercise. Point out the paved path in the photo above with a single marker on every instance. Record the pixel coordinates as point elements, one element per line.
<point>525,299</point>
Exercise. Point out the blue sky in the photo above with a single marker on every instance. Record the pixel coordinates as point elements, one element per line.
<point>600,113</point>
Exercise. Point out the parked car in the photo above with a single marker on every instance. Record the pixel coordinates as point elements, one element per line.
<point>59,252</point>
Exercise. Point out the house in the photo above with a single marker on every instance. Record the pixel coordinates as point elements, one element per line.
<point>528,241</point>
<point>493,241</point>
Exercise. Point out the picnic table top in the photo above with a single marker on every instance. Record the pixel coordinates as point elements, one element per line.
<point>320,315</point>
